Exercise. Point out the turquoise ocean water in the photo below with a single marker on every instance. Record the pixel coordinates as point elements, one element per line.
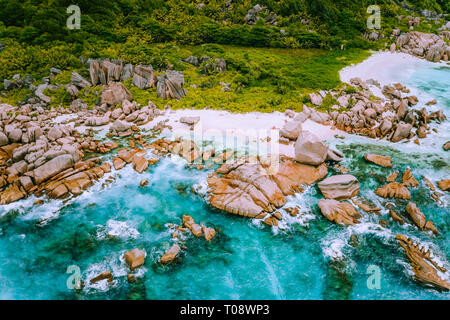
<point>246,260</point>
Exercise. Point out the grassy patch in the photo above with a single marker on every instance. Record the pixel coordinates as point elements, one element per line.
<point>260,79</point>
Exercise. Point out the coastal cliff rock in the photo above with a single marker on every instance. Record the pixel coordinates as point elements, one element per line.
<point>248,188</point>
<point>291,129</point>
<point>425,269</point>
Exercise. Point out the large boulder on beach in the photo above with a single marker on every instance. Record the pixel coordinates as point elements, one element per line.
<point>402,131</point>
<point>120,126</point>
<point>309,149</point>
<point>339,187</point>
<point>339,212</point>
<point>251,188</point>
<point>53,167</point>
<point>291,129</point>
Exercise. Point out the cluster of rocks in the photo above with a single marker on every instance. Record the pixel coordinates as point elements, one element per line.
<point>106,71</point>
<point>123,118</point>
<point>362,113</point>
<point>423,45</point>
<point>252,15</point>
<point>188,150</point>
<point>135,156</point>
<point>39,155</point>
<point>189,226</point>
<point>110,74</point>
<point>17,83</point>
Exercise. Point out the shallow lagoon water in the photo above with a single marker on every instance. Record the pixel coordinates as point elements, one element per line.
<point>246,260</point>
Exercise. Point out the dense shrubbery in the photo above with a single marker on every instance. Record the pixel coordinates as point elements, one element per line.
<point>163,32</point>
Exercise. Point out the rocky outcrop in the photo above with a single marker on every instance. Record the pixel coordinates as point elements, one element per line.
<point>379,160</point>
<point>247,187</point>
<point>393,190</point>
<point>339,187</point>
<point>425,269</point>
<point>144,77</point>
<point>339,212</point>
<point>170,85</point>
<point>424,45</point>
<point>135,258</point>
<point>309,149</point>
<point>408,179</point>
<point>115,93</point>
<point>106,275</point>
<point>190,121</point>
<point>52,168</point>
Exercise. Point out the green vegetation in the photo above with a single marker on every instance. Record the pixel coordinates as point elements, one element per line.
<point>270,66</point>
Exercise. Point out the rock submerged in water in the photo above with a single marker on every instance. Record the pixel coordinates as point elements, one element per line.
<point>379,160</point>
<point>446,146</point>
<point>393,190</point>
<point>444,185</point>
<point>339,212</point>
<point>425,269</point>
<point>170,254</point>
<point>339,187</point>
<point>408,179</point>
<point>135,258</point>
<point>419,218</point>
<point>248,188</point>
<point>102,276</point>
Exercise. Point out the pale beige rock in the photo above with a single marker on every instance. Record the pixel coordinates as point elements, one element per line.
<point>309,149</point>
<point>339,187</point>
